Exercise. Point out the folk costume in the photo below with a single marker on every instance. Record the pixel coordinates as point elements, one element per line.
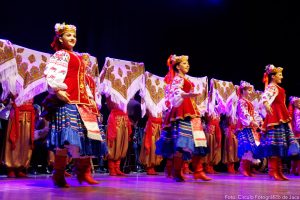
<point>72,127</point>
<point>294,109</point>
<point>247,116</point>
<point>279,139</point>
<point>183,124</point>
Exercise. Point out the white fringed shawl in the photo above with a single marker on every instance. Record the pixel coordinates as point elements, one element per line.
<point>153,94</point>
<point>30,80</point>
<point>223,94</point>
<point>121,80</point>
<point>8,68</point>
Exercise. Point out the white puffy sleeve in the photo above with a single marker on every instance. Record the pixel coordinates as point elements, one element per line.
<point>296,124</point>
<point>243,113</point>
<point>176,91</point>
<point>270,94</point>
<point>56,71</point>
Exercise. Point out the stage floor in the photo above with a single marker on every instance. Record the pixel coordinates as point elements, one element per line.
<point>141,186</point>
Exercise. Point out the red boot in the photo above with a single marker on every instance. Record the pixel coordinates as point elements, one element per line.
<point>151,171</point>
<point>280,173</point>
<point>67,174</point>
<point>20,173</point>
<point>118,169</point>
<point>293,167</point>
<point>59,166</point>
<point>273,168</point>
<point>83,170</point>
<point>168,168</point>
<point>198,169</point>
<point>111,168</point>
<point>230,168</point>
<point>298,168</point>
<point>178,162</point>
<point>185,168</point>
<point>245,167</point>
<point>11,172</point>
<point>209,169</point>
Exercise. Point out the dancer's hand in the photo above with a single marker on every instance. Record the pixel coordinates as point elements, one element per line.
<point>268,109</point>
<point>191,94</point>
<point>254,124</point>
<point>63,95</point>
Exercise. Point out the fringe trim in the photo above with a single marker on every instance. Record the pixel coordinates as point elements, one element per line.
<point>35,88</point>
<point>8,73</point>
<point>117,98</point>
<point>212,99</point>
<point>94,136</point>
<point>135,86</point>
<point>153,108</point>
<point>8,69</point>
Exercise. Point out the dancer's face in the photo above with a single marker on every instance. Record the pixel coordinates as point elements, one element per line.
<point>68,40</point>
<point>247,92</point>
<point>183,67</point>
<point>86,61</point>
<point>297,104</point>
<point>277,77</point>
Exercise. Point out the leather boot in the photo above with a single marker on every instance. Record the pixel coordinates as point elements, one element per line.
<point>111,168</point>
<point>230,168</point>
<point>168,168</point>
<point>293,167</point>
<point>198,169</point>
<point>178,162</point>
<point>185,168</point>
<point>298,168</point>
<point>244,167</point>
<point>59,166</point>
<point>280,173</point>
<point>20,173</point>
<point>273,168</point>
<point>118,169</point>
<point>151,171</point>
<point>209,169</point>
<point>83,170</point>
<point>11,172</point>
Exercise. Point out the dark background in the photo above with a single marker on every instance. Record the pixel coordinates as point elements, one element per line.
<point>226,40</point>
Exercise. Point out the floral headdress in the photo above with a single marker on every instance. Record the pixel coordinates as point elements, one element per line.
<point>294,100</point>
<point>269,70</point>
<point>244,84</point>
<point>62,28</point>
<point>292,104</point>
<point>85,55</point>
<point>171,62</point>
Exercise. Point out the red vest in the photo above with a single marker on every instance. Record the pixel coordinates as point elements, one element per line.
<point>75,80</point>
<point>280,111</point>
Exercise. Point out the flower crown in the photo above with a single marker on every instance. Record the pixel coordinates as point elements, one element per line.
<point>62,28</point>
<point>244,84</point>
<point>272,69</point>
<point>85,55</point>
<point>294,100</point>
<point>173,60</point>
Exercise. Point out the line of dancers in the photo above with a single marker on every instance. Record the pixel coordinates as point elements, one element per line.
<point>178,134</point>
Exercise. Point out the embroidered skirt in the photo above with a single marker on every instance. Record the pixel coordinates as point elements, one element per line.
<point>280,142</point>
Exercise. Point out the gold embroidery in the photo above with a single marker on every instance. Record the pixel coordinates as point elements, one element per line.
<point>155,95</point>
<point>136,71</point>
<point>44,58</point>
<point>6,53</point>
<point>35,72</point>
<point>224,91</point>
<point>31,58</point>
<point>120,72</point>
